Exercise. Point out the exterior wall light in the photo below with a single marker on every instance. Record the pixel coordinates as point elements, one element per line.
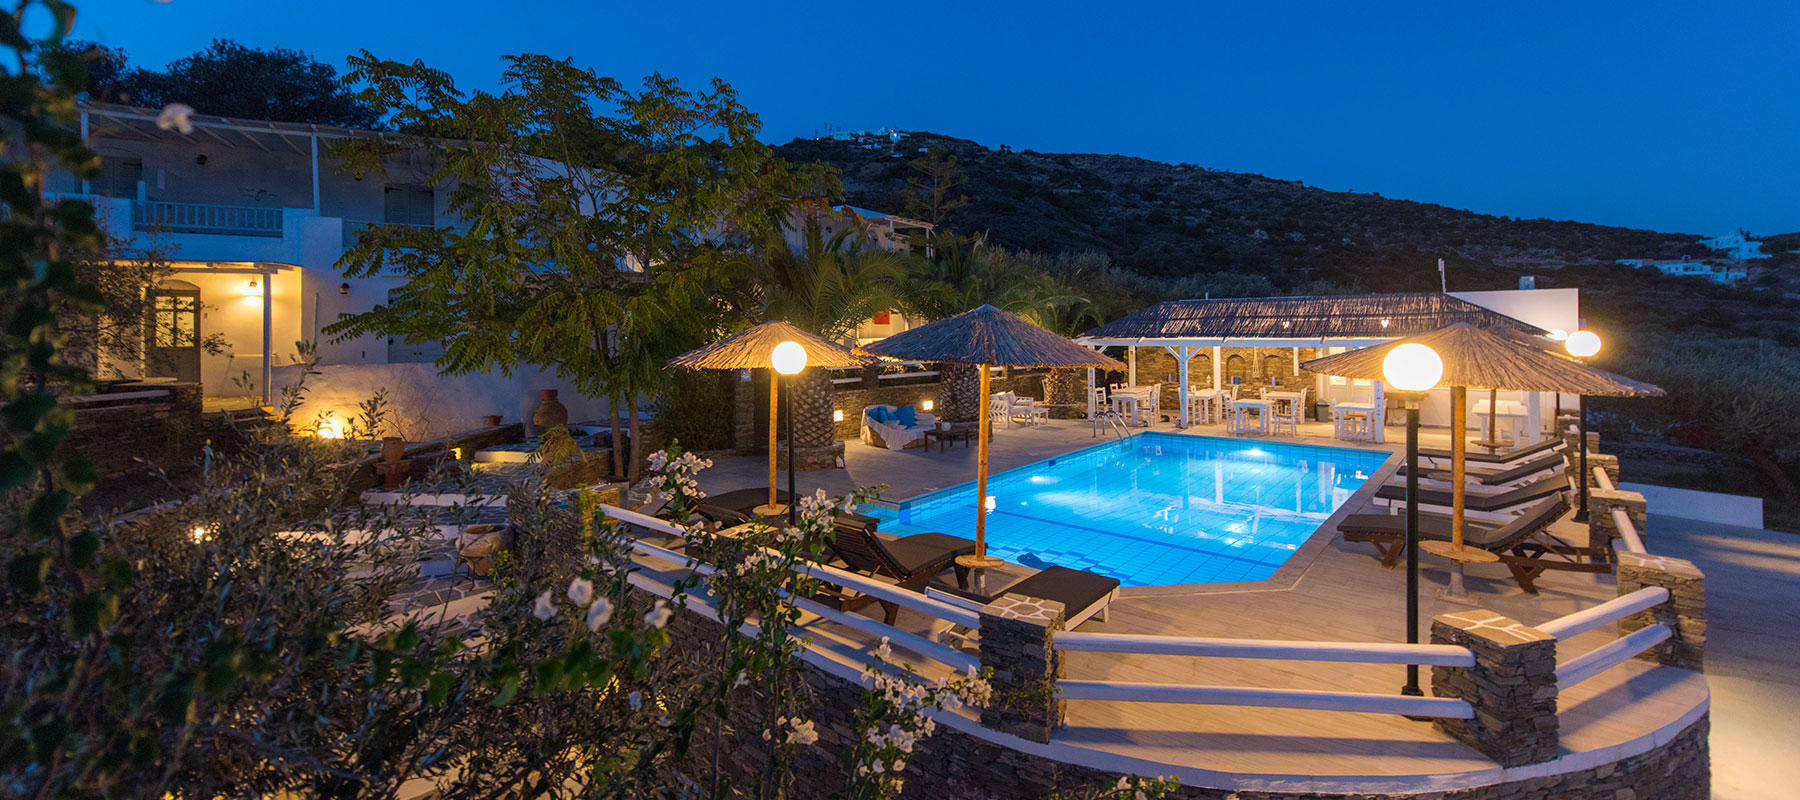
<point>837,415</point>
<point>925,405</point>
<point>343,288</point>
<point>1582,344</point>
<point>1412,367</point>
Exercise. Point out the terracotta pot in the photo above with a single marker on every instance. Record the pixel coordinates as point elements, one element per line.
<point>493,420</point>
<point>479,544</point>
<point>393,448</point>
<point>549,412</point>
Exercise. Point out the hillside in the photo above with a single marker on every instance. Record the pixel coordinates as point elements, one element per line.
<point>1163,219</point>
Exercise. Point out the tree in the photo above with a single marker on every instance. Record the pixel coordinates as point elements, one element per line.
<point>109,73</point>
<point>231,80</point>
<point>827,285</point>
<point>933,188</point>
<point>596,214</point>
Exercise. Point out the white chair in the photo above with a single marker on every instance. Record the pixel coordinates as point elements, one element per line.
<point>1288,413</point>
<point>998,411</point>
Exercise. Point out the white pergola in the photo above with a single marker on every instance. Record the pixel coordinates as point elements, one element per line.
<point>1184,328</point>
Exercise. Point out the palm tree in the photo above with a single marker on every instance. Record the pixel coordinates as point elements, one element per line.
<point>827,285</point>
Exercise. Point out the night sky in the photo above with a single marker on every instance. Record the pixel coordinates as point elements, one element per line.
<point>1674,116</point>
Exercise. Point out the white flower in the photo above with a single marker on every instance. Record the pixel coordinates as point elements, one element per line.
<point>176,116</point>
<point>658,616</point>
<point>742,679</point>
<point>884,652</point>
<point>581,591</point>
<point>802,733</point>
<point>599,613</point>
<point>542,609</point>
<point>636,699</point>
<point>901,764</point>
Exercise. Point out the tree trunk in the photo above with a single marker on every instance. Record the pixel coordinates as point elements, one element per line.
<point>637,440</point>
<point>962,392</point>
<point>618,437</point>
<point>813,396</point>
<point>1065,386</point>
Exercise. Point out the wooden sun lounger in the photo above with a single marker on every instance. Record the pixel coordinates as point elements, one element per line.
<point>1523,544</point>
<point>1489,482</point>
<point>1506,460</point>
<point>909,561</point>
<point>1499,507</point>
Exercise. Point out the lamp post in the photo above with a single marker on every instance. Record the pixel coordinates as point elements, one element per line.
<point>1582,345</point>
<point>788,359</point>
<point>1412,368</point>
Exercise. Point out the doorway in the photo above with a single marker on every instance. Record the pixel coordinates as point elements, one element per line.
<point>172,349</point>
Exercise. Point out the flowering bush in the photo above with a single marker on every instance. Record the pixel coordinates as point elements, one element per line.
<point>895,715</point>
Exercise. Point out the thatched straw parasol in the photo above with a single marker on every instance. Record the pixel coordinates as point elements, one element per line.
<point>987,337</point>
<point>753,348</point>
<point>1490,359</point>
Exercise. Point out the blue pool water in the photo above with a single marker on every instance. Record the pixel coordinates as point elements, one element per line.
<point>1156,509</point>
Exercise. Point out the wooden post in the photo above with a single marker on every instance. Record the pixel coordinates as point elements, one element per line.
<point>981,461</point>
<point>774,415</point>
<point>1494,417</point>
<point>1459,401</point>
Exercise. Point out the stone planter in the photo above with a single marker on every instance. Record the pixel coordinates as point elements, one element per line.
<point>478,545</point>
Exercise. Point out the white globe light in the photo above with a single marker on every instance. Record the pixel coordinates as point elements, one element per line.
<point>789,358</point>
<point>1582,344</point>
<point>1412,368</point>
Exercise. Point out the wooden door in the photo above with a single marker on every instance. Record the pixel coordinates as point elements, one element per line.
<point>173,346</point>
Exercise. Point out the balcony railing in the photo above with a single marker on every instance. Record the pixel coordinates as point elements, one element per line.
<point>205,218</point>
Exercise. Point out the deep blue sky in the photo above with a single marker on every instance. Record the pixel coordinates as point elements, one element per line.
<point>1674,116</point>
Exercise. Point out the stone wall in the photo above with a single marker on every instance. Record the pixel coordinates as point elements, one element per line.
<point>1261,366</point>
<point>852,401</point>
<point>953,765</point>
<point>164,432</point>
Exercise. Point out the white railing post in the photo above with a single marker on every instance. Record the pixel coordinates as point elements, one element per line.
<point>1684,613</point>
<point>1512,686</point>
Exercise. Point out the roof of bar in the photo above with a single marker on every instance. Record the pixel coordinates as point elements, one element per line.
<point>1352,316</point>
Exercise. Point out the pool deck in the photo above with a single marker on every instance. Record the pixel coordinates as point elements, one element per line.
<point>1337,592</point>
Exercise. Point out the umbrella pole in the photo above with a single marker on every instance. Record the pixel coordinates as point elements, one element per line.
<point>1494,416</point>
<point>981,465</point>
<point>1459,400</point>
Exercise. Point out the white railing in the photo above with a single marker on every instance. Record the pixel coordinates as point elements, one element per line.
<point>205,218</point>
<point>1439,707</point>
<point>1613,653</point>
<point>1621,518</point>
<point>946,655</point>
<point>1359,652</point>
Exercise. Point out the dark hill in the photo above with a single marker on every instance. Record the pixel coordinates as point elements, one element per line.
<point>1163,219</point>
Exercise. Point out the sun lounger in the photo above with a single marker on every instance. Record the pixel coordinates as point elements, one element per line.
<point>910,561</point>
<point>1442,458</point>
<point>1499,507</point>
<point>1487,482</point>
<point>1524,543</point>
<point>1084,595</point>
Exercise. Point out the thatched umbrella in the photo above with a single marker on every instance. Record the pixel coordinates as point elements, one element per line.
<point>1486,358</point>
<point>987,337</point>
<point>753,348</point>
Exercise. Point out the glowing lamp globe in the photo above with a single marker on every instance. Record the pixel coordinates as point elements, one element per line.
<point>1412,368</point>
<point>1557,335</point>
<point>789,358</point>
<point>1582,344</point>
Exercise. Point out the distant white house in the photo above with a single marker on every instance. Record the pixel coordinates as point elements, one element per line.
<point>1718,273</point>
<point>1736,245</point>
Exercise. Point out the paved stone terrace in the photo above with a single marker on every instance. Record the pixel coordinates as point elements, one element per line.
<point>1342,594</point>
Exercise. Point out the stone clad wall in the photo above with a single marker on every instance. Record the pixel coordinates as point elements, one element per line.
<point>164,432</point>
<point>952,765</point>
<point>853,401</point>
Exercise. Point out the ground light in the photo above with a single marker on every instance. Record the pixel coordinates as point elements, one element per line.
<point>1412,369</point>
<point>1582,345</point>
<point>788,359</point>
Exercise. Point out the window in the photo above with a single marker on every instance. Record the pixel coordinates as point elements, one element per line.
<point>409,205</point>
<point>119,177</point>
<point>401,351</point>
<point>175,320</point>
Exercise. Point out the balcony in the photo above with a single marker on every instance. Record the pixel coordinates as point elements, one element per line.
<point>153,215</point>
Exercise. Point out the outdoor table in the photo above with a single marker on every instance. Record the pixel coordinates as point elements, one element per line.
<point>1206,405</point>
<point>942,435</point>
<point>1261,407</point>
<point>1511,422</point>
<point>1341,414</point>
<point>1287,398</point>
<point>1128,403</point>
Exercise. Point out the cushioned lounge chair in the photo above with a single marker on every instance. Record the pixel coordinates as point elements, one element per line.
<point>1489,481</point>
<point>1084,595</point>
<point>1524,543</point>
<point>1499,507</point>
<point>895,427</point>
<point>909,561</point>
<point>1441,457</point>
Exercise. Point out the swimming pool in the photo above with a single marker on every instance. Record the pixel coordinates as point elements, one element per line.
<point>1155,509</point>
